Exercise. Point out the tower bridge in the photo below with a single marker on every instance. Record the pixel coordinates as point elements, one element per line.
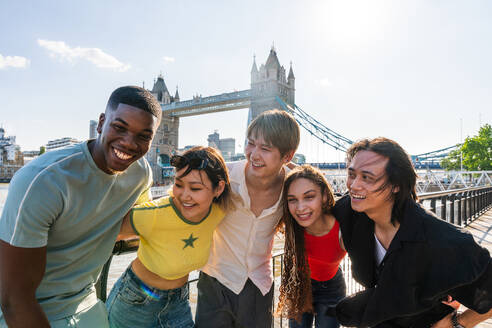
<point>269,83</point>
<point>271,87</point>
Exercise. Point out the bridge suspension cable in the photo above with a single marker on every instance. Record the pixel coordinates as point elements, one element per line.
<point>316,128</point>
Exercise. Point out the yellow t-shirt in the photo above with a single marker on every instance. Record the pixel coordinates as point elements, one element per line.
<point>170,245</point>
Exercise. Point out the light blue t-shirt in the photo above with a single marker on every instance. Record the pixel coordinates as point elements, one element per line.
<point>62,200</point>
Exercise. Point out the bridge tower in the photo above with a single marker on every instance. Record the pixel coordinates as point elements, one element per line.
<point>268,82</point>
<point>165,141</point>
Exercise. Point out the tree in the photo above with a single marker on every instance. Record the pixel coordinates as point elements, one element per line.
<point>42,150</point>
<point>476,152</point>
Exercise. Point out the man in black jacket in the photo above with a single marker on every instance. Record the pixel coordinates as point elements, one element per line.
<point>410,262</point>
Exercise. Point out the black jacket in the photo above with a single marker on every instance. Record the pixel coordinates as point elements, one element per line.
<point>427,260</point>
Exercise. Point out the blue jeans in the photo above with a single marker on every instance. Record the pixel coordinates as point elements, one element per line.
<point>325,294</point>
<point>132,303</point>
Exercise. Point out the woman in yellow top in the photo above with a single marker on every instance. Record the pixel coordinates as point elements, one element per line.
<point>175,236</point>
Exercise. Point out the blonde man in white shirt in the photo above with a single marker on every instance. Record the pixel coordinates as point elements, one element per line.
<point>235,288</point>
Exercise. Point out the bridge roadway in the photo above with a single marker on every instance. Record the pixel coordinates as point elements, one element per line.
<point>481,229</point>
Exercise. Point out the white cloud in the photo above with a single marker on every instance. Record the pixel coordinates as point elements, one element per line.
<point>168,59</point>
<point>324,82</point>
<point>13,61</point>
<point>95,55</point>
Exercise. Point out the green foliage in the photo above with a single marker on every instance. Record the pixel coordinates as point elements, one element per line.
<point>476,152</point>
<point>42,150</point>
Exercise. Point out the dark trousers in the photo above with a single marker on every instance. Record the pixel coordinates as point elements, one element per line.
<point>219,307</point>
<point>325,294</point>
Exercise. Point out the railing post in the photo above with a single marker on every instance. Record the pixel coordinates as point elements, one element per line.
<point>451,208</point>
<point>433,205</point>
<point>460,213</point>
<point>443,207</point>
<point>475,203</point>
<point>481,201</point>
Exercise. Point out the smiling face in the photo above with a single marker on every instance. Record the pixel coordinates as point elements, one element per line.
<point>305,201</point>
<point>366,175</point>
<point>193,194</point>
<point>125,136</point>
<point>264,160</point>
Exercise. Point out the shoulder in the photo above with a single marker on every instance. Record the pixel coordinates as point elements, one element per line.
<point>343,209</point>
<point>236,168</point>
<point>159,203</point>
<point>44,170</point>
<point>217,212</point>
<point>438,231</point>
<point>446,241</point>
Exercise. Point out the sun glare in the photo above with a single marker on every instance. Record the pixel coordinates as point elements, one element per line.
<point>349,22</point>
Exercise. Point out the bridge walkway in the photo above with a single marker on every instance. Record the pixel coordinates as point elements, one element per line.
<point>481,229</point>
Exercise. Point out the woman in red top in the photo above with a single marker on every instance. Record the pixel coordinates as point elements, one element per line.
<point>312,280</point>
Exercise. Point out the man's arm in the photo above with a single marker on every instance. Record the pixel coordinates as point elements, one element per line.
<point>126,230</point>
<point>21,271</point>
<point>467,319</point>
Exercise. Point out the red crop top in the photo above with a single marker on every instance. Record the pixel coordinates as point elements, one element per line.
<point>324,253</point>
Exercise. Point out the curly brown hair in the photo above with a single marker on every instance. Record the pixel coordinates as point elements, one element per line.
<point>295,289</point>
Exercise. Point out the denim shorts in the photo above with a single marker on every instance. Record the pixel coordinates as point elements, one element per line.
<point>132,303</point>
<point>325,294</point>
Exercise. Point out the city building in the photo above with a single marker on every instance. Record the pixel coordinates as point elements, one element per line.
<point>60,143</point>
<point>227,146</point>
<point>11,158</point>
<point>93,129</point>
<point>29,155</point>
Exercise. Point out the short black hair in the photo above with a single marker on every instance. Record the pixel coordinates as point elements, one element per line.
<point>400,173</point>
<point>136,97</point>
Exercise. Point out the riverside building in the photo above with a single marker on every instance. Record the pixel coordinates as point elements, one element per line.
<point>60,143</point>
<point>11,158</point>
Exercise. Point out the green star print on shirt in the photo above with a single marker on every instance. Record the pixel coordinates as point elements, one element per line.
<point>189,241</point>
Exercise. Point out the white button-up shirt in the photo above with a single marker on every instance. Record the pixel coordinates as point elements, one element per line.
<point>242,243</point>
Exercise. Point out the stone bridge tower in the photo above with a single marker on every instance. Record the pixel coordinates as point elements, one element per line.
<point>270,81</point>
<point>165,141</point>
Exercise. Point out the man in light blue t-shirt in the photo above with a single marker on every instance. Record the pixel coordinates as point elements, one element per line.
<point>63,213</point>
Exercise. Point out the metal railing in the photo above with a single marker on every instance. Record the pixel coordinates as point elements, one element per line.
<point>459,207</point>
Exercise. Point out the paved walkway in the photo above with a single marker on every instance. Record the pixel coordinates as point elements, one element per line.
<point>481,229</point>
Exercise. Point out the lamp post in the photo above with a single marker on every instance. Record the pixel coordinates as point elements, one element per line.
<point>461,141</point>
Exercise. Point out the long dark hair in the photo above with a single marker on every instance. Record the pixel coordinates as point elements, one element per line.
<point>295,289</point>
<point>400,173</point>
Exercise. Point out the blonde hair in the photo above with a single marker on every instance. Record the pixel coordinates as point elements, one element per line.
<point>278,128</point>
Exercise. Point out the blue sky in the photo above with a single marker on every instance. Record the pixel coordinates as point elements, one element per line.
<point>408,70</point>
